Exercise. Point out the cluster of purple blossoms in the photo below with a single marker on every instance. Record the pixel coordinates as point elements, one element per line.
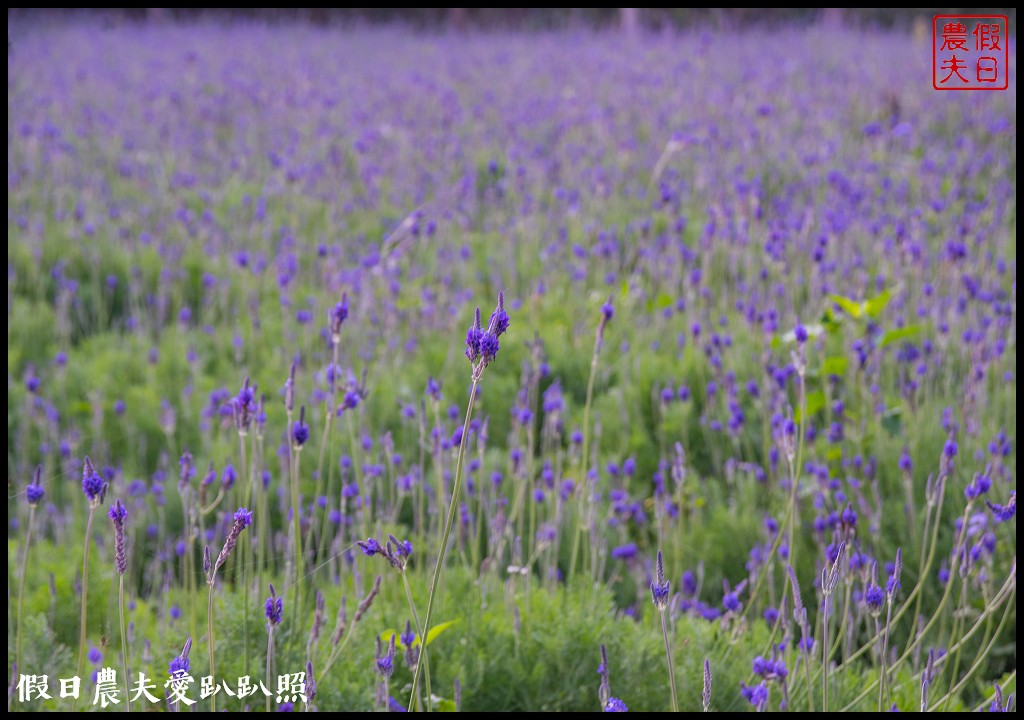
<point>274,607</point>
<point>482,345</point>
<point>35,491</point>
<point>385,659</point>
<point>180,663</point>
<point>1003,513</point>
<point>300,430</point>
<point>395,551</point>
<point>93,485</point>
<point>660,588</point>
<point>756,695</point>
<point>338,315</point>
<point>244,407</point>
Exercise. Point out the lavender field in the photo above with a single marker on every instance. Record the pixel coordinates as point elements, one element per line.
<point>733,427</point>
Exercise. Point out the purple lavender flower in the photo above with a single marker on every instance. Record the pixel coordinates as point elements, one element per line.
<point>338,315</point>
<point>310,688</point>
<point>35,491</point>
<point>386,660</point>
<point>242,519</point>
<point>1003,513</point>
<point>998,704</point>
<point>499,321</point>
<point>300,430</point>
<point>473,337</point>
<point>274,607</point>
<point>660,587</point>
<point>489,347</point>
<point>180,663</point>
<point>370,547</point>
<point>756,695</point>
<point>92,484</point>
<point>615,705</point>
<point>243,407</point>
<point>800,333</point>
<point>187,471</point>
<point>893,583</point>
<point>625,552</point>
<point>873,595</point>
<point>118,513</point>
<point>228,477</point>
<point>706,693</point>
<point>607,311</point>
<point>408,637</point>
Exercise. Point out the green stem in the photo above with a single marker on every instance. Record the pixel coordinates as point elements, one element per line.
<point>21,582</point>
<point>980,658</point>
<point>423,640</point>
<point>209,638</point>
<point>671,665</point>
<point>297,532</point>
<point>124,643</point>
<point>958,623</point>
<point>824,655</point>
<point>270,655</point>
<point>452,509</point>
<point>882,673</point>
<point>919,638</point>
<point>807,675</point>
<point>582,489</point>
<point>85,591</point>
<point>246,553</point>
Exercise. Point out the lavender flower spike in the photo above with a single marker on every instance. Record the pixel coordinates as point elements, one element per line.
<point>274,607</point>
<point>310,683</point>
<point>338,315</point>
<point>289,390</point>
<point>35,490</point>
<point>706,694</point>
<point>300,430</point>
<point>92,484</point>
<point>118,513</point>
<point>660,587</point>
<point>242,520</point>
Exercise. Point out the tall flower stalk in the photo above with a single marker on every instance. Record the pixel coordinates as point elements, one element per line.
<point>242,520</point>
<point>117,514</point>
<point>607,312</point>
<point>275,613</point>
<point>34,492</point>
<point>660,591</point>
<point>829,579</point>
<point>299,436</point>
<point>481,349</point>
<point>95,490</point>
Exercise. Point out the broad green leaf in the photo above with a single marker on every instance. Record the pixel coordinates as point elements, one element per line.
<point>892,420</point>
<point>897,334</point>
<point>876,305</point>
<point>850,307</point>
<point>832,323</point>
<point>815,403</point>
<point>440,704</point>
<point>835,365</point>
<point>433,633</point>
